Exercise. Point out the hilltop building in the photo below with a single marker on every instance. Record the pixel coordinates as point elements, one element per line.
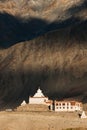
<point>67,106</point>
<point>39,102</point>
<point>39,98</point>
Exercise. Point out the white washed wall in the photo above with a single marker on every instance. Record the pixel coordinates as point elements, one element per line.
<point>66,107</point>
<point>37,100</point>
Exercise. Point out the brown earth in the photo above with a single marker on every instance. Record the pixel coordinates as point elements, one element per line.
<point>41,121</point>
<point>32,107</point>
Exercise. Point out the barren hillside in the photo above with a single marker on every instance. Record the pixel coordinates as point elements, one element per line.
<point>42,43</point>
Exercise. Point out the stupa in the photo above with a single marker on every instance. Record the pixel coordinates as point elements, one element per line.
<point>83,115</point>
<point>23,103</point>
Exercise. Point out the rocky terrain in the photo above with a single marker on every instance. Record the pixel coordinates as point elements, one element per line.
<point>42,43</point>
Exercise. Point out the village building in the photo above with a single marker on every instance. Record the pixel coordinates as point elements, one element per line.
<point>39,98</point>
<point>57,106</point>
<point>39,102</point>
<point>67,106</point>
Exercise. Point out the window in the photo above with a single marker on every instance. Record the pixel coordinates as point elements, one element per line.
<point>63,104</point>
<point>63,107</point>
<point>56,104</point>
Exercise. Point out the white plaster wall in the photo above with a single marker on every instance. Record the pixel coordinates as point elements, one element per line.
<point>67,108</point>
<point>37,100</point>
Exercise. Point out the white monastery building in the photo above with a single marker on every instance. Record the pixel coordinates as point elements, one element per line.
<point>39,98</point>
<point>67,106</point>
<point>57,106</point>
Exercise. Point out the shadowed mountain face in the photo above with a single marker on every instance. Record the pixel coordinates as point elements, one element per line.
<point>42,43</point>
<point>26,20</point>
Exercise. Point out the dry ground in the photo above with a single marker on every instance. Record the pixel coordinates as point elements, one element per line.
<point>40,121</point>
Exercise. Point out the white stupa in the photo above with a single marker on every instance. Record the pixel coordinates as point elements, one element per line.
<point>39,93</point>
<point>23,103</point>
<point>83,115</point>
<point>38,98</point>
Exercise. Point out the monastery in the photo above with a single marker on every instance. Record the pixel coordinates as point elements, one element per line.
<point>39,98</point>
<point>57,106</point>
<point>67,106</point>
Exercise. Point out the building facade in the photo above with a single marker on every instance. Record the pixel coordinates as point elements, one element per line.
<point>39,98</point>
<point>58,106</point>
<point>67,106</point>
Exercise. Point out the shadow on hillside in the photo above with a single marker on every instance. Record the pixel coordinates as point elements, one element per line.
<point>14,30</point>
<point>18,86</point>
<point>77,8</point>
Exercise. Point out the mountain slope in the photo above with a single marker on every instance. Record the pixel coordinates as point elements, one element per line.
<point>43,45</point>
